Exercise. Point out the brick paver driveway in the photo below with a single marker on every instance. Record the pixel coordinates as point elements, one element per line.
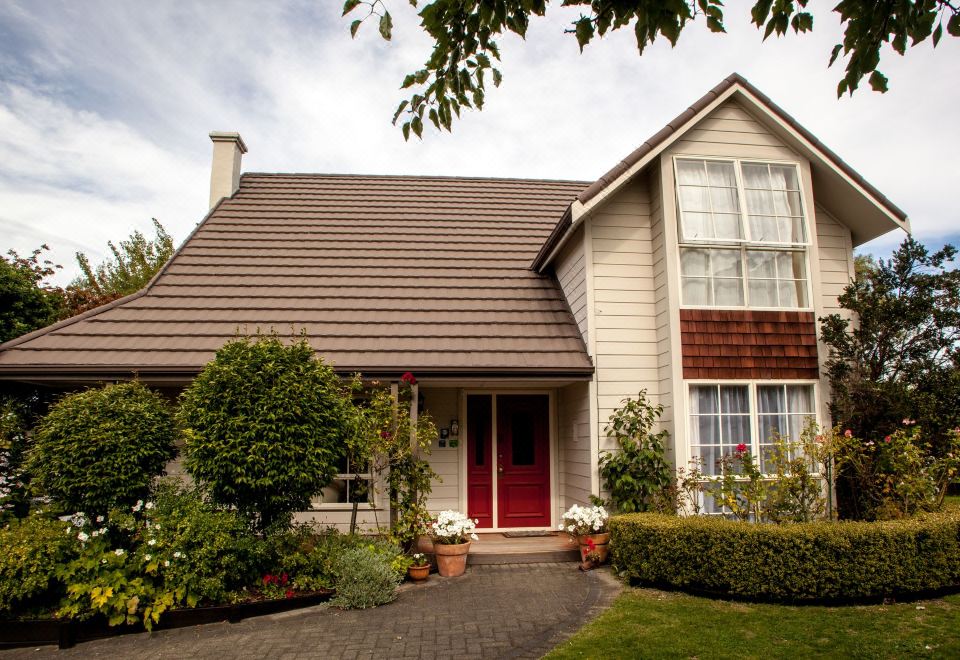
<point>507,611</point>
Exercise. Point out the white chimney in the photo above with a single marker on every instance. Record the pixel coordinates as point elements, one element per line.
<point>228,149</point>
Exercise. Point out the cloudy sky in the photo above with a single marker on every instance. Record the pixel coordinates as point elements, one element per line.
<point>105,108</point>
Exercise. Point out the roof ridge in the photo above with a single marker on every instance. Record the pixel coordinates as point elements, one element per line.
<point>411,177</point>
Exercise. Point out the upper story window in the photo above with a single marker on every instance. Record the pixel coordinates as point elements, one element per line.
<point>742,234</point>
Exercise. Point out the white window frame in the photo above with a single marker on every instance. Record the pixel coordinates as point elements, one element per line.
<point>751,385</point>
<point>317,504</point>
<point>743,245</point>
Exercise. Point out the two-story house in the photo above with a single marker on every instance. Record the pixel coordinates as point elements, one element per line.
<point>695,270</point>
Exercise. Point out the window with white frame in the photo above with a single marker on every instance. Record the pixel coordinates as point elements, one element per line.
<point>723,416</point>
<point>347,487</point>
<point>743,234</point>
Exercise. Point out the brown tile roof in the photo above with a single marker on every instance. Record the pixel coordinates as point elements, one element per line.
<point>655,140</point>
<point>385,273</point>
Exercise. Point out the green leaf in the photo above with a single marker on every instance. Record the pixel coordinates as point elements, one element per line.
<point>349,6</point>
<point>878,82</point>
<point>937,34</point>
<point>584,31</point>
<point>497,77</point>
<point>386,26</point>
<point>354,27</point>
<point>953,25</point>
<point>834,54</point>
<point>403,104</point>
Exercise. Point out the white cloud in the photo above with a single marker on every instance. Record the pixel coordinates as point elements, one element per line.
<point>105,107</point>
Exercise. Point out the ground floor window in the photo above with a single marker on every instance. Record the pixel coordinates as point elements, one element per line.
<point>724,416</point>
<point>347,487</point>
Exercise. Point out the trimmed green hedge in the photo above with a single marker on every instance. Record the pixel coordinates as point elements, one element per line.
<point>819,561</point>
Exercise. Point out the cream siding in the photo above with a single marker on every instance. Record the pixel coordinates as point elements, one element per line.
<point>835,260</point>
<point>574,437</point>
<point>732,132</point>
<point>571,271</point>
<point>626,337</point>
<point>443,406</point>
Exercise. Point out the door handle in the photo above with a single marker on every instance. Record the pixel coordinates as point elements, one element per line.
<point>499,468</point>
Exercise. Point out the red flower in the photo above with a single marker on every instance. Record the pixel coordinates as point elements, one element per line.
<point>741,448</point>
<point>267,579</point>
<point>848,433</point>
<point>289,593</point>
<point>591,544</point>
<point>385,435</point>
<point>283,579</point>
<point>408,379</point>
<point>887,439</point>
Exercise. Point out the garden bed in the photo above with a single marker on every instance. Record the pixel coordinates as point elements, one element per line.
<point>66,633</point>
<point>819,562</point>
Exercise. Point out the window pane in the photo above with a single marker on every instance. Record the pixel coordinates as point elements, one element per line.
<point>696,291</point>
<point>691,172</point>
<point>704,400</point>
<point>734,399</point>
<point>695,262</point>
<point>761,202</point>
<point>724,200</point>
<point>521,439</point>
<point>693,198</point>
<point>725,263</point>
<point>697,225</point>
<point>761,264</point>
<point>788,294</point>
<point>736,430</point>
<point>800,398</point>
<point>784,177</point>
<point>755,176</point>
<point>721,174</point>
<point>711,458</point>
<point>727,226</point>
<point>728,292</point>
<point>763,293</point>
<point>771,399</point>
<point>764,228</point>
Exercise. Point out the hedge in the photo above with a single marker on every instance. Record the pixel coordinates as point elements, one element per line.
<point>818,561</point>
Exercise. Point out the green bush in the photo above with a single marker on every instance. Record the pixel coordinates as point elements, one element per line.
<point>792,562</point>
<point>32,550</point>
<point>103,447</point>
<point>265,427</point>
<point>365,578</point>
<point>211,551</point>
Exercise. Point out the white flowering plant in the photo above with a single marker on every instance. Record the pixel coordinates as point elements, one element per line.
<point>453,528</point>
<point>583,520</point>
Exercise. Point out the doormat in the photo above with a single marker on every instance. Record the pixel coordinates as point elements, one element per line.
<point>522,533</point>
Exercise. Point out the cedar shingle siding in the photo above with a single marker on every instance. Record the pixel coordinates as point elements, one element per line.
<point>735,344</point>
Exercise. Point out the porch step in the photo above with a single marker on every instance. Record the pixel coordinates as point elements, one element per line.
<point>533,557</point>
<point>495,548</point>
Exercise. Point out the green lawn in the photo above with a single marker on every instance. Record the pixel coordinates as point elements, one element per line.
<point>646,623</point>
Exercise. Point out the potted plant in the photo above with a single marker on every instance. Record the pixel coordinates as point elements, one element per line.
<point>452,532</point>
<point>588,525</point>
<point>419,570</point>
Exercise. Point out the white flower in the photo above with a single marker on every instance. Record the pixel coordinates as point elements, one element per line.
<point>152,542</point>
<point>118,552</point>
<point>95,533</point>
<point>166,562</point>
<point>176,555</point>
<point>149,505</point>
<point>83,537</point>
<point>102,530</point>
<point>148,557</point>
<point>103,561</point>
<point>99,519</point>
<point>138,506</point>
<point>474,537</point>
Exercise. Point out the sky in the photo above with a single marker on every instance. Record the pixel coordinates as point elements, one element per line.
<point>106,107</point>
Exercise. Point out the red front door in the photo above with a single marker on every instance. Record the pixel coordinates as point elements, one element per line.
<point>479,450</point>
<point>523,460</point>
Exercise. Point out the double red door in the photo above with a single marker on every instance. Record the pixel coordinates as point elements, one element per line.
<point>513,466</point>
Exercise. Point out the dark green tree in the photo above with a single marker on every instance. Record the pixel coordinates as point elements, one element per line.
<point>465,32</point>
<point>26,303</point>
<point>899,359</point>
<point>266,424</point>
<point>102,447</point>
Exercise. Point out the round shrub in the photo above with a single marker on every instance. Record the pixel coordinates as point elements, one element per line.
<point>265,425</point>
<point>365,578</point>
<point>102,447</point>
<point>33,549</point>
<point>817,561</point>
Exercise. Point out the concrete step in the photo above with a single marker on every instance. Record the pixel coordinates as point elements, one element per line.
<point>531,557</point>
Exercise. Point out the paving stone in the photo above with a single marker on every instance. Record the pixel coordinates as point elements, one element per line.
<point>507,611</point>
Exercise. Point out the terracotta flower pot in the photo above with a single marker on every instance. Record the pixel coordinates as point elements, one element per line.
<point>425,544</point>
<point>451,559</point>
<point>419,573</point>
<point>600,542</point>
